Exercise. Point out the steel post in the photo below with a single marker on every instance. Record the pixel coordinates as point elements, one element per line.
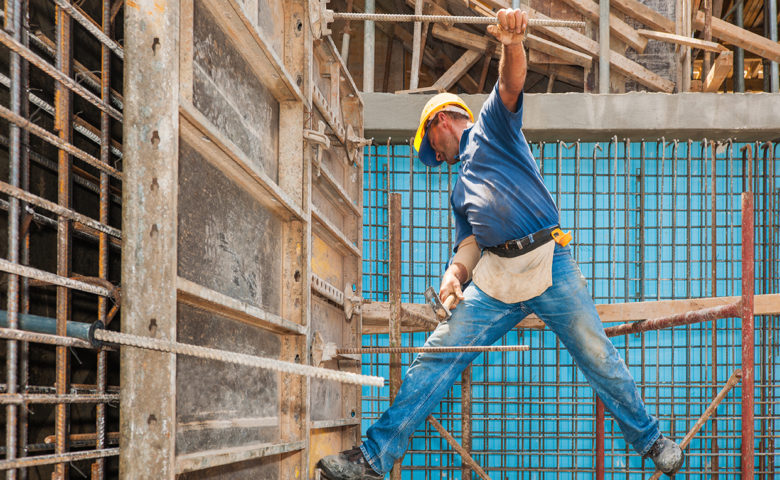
<point>149,222</point>
<point>748,336</point>
<point>394,233</point>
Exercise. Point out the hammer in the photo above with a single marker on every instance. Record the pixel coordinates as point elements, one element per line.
<point>441,310</point>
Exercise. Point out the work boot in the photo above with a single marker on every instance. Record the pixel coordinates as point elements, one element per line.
<point>348,465</point>
<point>666,455</point>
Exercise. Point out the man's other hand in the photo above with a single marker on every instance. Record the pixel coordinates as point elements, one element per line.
<point>511,28</point>
<point>450,286</point>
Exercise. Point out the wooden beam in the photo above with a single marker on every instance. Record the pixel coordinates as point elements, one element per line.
<point>621,64</point>
<point>465,39</point>
<point>682,40</point>
<point>571,56</point>
<point>618,27</point>
<point>419,317</point>
<point>719,71</point>
<point>563,73</point>
<point>458,69</point>
<point>644,14</point>
<point>761,46</point>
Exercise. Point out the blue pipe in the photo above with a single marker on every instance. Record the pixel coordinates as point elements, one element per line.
<point>38,324</point>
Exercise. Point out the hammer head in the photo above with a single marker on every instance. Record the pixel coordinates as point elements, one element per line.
<point>442,313</point>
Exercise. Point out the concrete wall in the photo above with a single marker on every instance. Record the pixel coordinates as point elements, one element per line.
<point>572,116</point>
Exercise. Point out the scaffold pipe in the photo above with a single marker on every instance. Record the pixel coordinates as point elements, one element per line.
<point>687,318</point>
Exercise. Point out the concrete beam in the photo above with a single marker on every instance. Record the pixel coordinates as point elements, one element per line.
<point>569,116</point>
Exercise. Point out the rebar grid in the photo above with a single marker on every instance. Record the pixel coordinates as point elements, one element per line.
<point>642,214</point>
<point>64,155</point>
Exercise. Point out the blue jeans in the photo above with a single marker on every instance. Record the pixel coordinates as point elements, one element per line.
<point>566,308</point>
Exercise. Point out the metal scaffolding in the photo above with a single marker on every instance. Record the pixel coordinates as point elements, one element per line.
<point>655,223</point>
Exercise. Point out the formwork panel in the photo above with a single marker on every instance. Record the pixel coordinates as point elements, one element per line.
<point>221,405</point>
<point>216,221</point>
<point>229,94</point>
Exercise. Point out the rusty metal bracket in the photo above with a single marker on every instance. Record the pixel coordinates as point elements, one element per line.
<point>320,140</point>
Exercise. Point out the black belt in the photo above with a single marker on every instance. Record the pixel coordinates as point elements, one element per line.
<point>515,248</point>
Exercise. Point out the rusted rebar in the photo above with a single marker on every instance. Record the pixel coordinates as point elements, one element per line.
<point>687,318</point>
<point>381,350</point>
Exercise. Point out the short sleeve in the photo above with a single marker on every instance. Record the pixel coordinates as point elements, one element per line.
<point>462,227</point>
<point>496,118</point>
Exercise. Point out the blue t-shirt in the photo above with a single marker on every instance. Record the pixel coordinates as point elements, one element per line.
<point>499,194</point>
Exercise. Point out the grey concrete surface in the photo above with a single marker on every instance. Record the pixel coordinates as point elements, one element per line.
<point>571,116</point>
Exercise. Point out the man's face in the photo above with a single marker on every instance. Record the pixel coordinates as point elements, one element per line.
<point>444,138</point>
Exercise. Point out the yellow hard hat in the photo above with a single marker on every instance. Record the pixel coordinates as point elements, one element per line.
<point>436,104</point>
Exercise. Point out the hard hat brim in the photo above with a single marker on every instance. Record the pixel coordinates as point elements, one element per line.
<point>426,153</point>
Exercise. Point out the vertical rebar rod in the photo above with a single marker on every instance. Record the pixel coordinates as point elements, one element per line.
<point>748,338</point>
<point>600,420</point>
<point>24,300</point>
<point>394,236</point>
<point>105,157</point>
<point>660,186</point>
<point>13,24</point>
<point>641,228</point>
<point>63,125</point>
<point>465,408</point>
<point>626,210</point>
<point>411,220</point>
<point>714,260</point>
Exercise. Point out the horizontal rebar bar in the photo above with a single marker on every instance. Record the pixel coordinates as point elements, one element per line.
<point>57,142</point>
<point>58,209</point>
<point>90,26</point>
<point>24,398</point>
<point>474,20</point>
<point>380,350</point>
<point>78,124</point>
<point>687,318</point>
<point>57,458</point>
<point>12,334</point>
<point>63,79</point>
<point>52,278</point>
<point>237,358</point>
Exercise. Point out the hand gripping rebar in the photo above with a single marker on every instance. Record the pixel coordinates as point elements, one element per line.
<point>167,346</point>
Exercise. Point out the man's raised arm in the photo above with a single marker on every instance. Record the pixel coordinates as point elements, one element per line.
<point>510,31</point>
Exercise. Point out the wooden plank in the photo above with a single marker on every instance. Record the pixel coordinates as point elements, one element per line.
<point>199,296</point>
<point>465,39</point>
<point>721,67</point>
<point>564,73</point>
<point>644,14</point>
<point>458,69</point>
<point>681,40</point>
<point>420,317</point>
<point>621,64</point>
<point>570,56</point>
<point>618,27</point>
<point>761,46</point>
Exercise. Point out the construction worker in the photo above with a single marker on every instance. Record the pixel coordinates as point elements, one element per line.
<point>509,244</point>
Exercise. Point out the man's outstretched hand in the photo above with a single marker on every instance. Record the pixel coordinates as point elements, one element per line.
<point>511,28</point>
